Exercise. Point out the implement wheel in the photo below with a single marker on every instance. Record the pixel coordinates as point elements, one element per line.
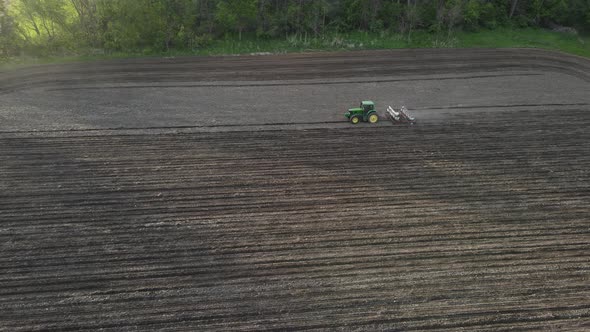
<point>373,118</point>
<point>355,119</point>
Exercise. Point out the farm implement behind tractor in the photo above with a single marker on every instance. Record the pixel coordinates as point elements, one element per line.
<point>400,116</point>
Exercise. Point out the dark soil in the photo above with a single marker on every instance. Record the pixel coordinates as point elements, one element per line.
<point>476,221</point>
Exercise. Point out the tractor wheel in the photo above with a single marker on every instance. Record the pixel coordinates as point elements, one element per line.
<point>355,119</point>
<point>373,118</point>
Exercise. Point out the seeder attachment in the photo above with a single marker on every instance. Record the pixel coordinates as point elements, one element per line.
<point>401,116</point>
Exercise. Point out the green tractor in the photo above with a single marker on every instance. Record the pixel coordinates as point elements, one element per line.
<point>365,112</point>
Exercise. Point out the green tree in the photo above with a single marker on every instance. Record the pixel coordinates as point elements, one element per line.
<point>391,13</point>
<point>472,11</point>
<point>49,27</point>
<point>45,25</point>
<point>86,24</point>
<point>237,15</point>
<point>362,14</point>
<point>8,42</point>
<point>543,11</point>
<point>150,25</point>
<point>578,14</point>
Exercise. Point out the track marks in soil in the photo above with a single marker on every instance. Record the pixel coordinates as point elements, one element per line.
<point>474,225</point>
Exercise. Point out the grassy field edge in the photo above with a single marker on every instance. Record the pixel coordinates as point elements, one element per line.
<point>230,45</point>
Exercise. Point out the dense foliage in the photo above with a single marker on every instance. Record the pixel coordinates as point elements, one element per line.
<point>44,27</point>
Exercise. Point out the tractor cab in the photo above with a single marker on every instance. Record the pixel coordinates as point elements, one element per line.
<point>367,106</point>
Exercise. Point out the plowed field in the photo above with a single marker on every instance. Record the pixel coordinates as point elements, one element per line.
<point>231,194</point>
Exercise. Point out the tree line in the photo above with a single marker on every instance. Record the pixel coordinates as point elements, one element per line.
<point>46,27</point>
